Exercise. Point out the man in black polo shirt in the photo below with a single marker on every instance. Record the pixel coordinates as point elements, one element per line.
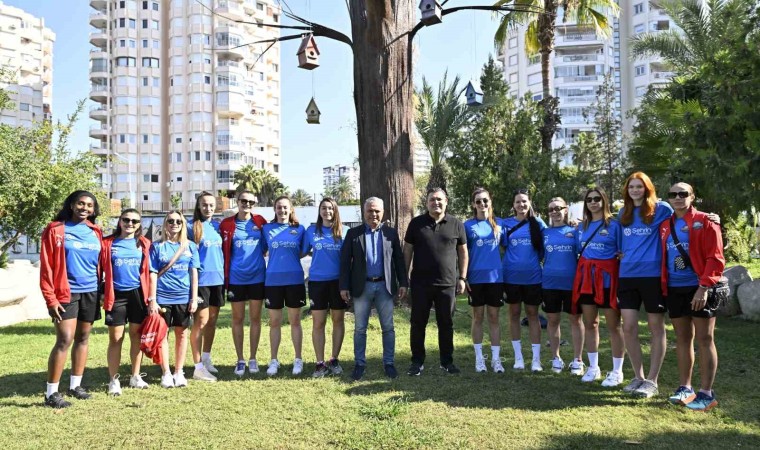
<point>437,245</point>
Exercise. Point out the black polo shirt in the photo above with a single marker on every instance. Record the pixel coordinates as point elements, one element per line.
<point>435,249</point>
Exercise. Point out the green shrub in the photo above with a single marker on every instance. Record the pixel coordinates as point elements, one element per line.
<point>3,260</point>
<point>740,238</point>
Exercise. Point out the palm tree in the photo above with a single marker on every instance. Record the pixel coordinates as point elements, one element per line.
<point>271,188</point>
<point>248,178</point>
<point>539,38</point>
<point>301,198</point>
<point>439,118</point>
<point>342,190</point>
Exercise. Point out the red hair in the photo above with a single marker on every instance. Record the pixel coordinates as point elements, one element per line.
<point>647,205</point>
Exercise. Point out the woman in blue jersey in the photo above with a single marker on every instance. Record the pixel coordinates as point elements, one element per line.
<point>523,242</point>
<point>595,284</point>
<point>484,277</point>
<point>210,285</point>
<point>324,240</point>
<point>284,280</point>
<point>244,268</point>
<point>560,261</point>
<point>174,268</point>
<point>125,261</point>
<point>69,274</point>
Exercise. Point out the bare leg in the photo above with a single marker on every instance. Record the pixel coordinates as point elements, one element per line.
<point>631,338</point>
<point>275,334</point>
<point>338,330</point>
<point>684,348</point>
<point>612,317</point>
<point>200,322</point>
<point>493,326</point>
<point>238,317</point>
<point>209,332</point>
<point>64,336</point>
<point>296,333</point>
<point>180,348</point>
<point>554,332</point>
<point>477,324</point>
<point>708,355</point>
<point>578,333</point>
<point>591,327</point>
<point>115,340</point>
<point>534,326</point>
<point>514,321</point>
<point>80,347</point>
<point>319,319</point>
<point>659,344</point>
<point>254,315</point>
<point>135,355</point>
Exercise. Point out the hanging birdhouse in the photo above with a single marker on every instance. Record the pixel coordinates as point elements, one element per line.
<point>312,112</point>
<point>473,94</point>
<point>431,12</point>
<point>308,53</point>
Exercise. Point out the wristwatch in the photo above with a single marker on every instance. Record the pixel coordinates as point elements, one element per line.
<point>463,279</point>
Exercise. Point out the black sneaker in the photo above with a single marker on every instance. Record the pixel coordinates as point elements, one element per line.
<point>56,401</point>
<point>79,393</point>
<point>415,370</point>
<point>358,372</point>
<point>450,368</point>
<point>390,371</point>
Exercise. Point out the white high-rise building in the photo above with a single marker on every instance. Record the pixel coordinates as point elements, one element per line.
<point>331,175</point>
<point>26,54</point>
<point>580,61</point>
<point>181,100</point>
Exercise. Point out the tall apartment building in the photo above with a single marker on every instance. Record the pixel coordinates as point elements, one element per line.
<point>331,175</point>
<point>181,100</point>
<point>26,52</point>
<point>580,61</point>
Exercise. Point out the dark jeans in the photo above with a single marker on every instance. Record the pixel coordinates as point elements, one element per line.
<point>423,297</point>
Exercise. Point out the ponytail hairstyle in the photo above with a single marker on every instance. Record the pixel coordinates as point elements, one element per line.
<point>565,215</point>
<point>647,205</point>
<point>536,237</point>
<point>491,220</point>
<point>292,220</point>
<point>337,226</point>
<point>198,217</point>
<point>117,231</point>
<point>606,214</point>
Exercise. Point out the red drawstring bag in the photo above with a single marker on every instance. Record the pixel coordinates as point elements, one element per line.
<point>152,332</point>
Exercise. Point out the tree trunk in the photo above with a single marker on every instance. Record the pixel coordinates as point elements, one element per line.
<point>383,87</point>
<point>10,243</point>
<point>549,103</point>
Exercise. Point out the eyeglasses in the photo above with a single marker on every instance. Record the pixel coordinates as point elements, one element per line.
<point>247,202</point>
<point>593,199</point>
<point>681,194</point>
<point>481,201</point>
<point>557,209</point>
<point>127,221</point>
<point>174,221</point>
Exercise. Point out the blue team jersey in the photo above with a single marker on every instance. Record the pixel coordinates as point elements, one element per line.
<point>560,257</point>
<point>685,277</point>
<point>604,244</point>
<point>126,259</point>
<point>325,253</point>
<point>483,247</point>
<point>173,287</point>
<point>284,244</point>
<point>247,261</point>
<point>82,249</point>
<point>521,263</point>
<point>210,254</point>
<point>640,244</point>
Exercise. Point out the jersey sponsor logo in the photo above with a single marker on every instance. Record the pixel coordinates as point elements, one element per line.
<point>58,241</point>
<point>698,225</point>
<point>294,232</point>
<point>685,228</point>
<point>603,232</point>
<point>246,243</point>
<point>208,244</point>
<point>127,262</point>
<point>559,248</point>
<point>630,231</point>
<point>595,245</point>
<point>521,241</point>
<point>672,245</point>
<point>90,246</point>
<point>569,235</point>
<point>284,244</point>
<point>489,242</point>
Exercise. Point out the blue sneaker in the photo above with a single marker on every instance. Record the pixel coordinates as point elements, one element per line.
<point>703,402</point>
<point>358,372</point>
<point>683,396</point>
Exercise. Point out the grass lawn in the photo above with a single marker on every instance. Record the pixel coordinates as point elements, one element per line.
<point>435,410</point>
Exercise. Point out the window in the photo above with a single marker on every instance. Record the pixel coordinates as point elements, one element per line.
<point>154,178</point>
<point>638,29</point>
<point>23,106</point>
<point>534,78</point>
<point>156,139</point>
<point>207,79</point>
<point>260,6</point>
<point>156,82</point>
<point>145,196</point>
<point>155,43</point>
<point>641,70</point>
<point>513,78</point>
<point>150,62</point>
<point>275,18</point>
<point>144,138</point>
<point>208,156</point>
<point>276,168</point>
<point>144,81</point>
<point>513,60</point>
<point>640,91</point>
<point>125,61</point>
<point>144,43</point>
<point>276,67</point>
<point>122,139</point>
<point>179,179</point>
<point>154,24</point>
<point>122,43</point>
<point>145,23</point>
<point>144,5</point>
<point>178,157</point>
<point>132,43</point>
<point>538,97</point>
<point>122,22</point>
<point>638,8</point>
<point>133,24</point>
<point>535,59</point>
<point>178,140</point>
<point>513,42</point>
<point>155,6</point>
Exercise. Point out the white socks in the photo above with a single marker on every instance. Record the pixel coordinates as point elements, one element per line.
<point>52,388</point>
<point>199,366</point>
<point>593,359</point>
<point>495,350</point>
<point>478,351</point>
<point>617,364</point>
<point>517,349</point>
<point>75,382</point>
<point>536,351</point>
<point>205,356</point>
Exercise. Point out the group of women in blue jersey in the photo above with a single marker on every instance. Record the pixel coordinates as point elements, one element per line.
<point>601,263</point>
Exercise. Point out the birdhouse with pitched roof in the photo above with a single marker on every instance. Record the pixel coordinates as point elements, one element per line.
<point>312,112</point>
<point>308,53</point>
<point>473,94</point>
<point>431,12</point>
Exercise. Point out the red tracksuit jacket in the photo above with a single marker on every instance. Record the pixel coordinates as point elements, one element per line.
<point>105,264</point>
<point>227,230</point>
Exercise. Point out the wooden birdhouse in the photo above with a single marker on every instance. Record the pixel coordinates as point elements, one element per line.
<point>431,12</point>
<point>308,53</point>
<point>312,112</point>
<point>473,94</point>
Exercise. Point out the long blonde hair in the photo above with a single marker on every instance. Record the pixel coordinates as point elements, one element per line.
<point>491,220</point>
<point>181,235</point>
<point>198,217</point>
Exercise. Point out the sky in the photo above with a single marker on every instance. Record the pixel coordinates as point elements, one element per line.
<point>461,45</point>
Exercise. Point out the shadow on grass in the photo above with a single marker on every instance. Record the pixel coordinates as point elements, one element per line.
<point>689,438</point>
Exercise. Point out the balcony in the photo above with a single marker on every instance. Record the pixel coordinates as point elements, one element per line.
<point>100,93</point>
<point>98,131</point>
<point>573,119</point>
<point>579,39</point>
<point>577,99</point>
<point>99,4</point>
<point>662,77</point>
<point>234,109</point>
<point>98,37</point>
<point>230,8</point>
<point>231,46</point>
<point>98,112</point>
<point>99,149</point>
<point>99,19</point>
<point>579,58</point>
<point>580,78</point>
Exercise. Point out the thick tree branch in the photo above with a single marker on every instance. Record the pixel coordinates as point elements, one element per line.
<point>498,9</point>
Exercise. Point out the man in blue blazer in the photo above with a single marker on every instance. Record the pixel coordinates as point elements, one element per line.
<point>372,271</point>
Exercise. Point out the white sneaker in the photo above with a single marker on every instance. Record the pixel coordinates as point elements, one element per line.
<point>136,381</point>
<point>592,374</point>
<point>496,366</point>
<point>480,365</point>
<point>613,379</point>
<point>253,366</point>
<point>535,366</point>
<point>114,387</point>
<point>180,380</point>
<point>167,380</point>
<point>297,366</point>
<point>203,374</point>
<point>274,367</point>
<point>240,368</point>
<point>557,365</point>
<point>519,364</point>
<point>577,367</point>
<point>209,365</point>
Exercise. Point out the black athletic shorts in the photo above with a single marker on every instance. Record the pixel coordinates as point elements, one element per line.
<point>128,307</point>
<point>177,315</point>
<point>679,303</point>
<point>632,292</point>
<point>325,295</point>
<point>482,294</point>
<point>588,299</point>
<point>530,294</point>
<point>211,296</point>
<point>292,296</point>
<point>84,306</point>
<point>244,292</point>
<point>557,300</point>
